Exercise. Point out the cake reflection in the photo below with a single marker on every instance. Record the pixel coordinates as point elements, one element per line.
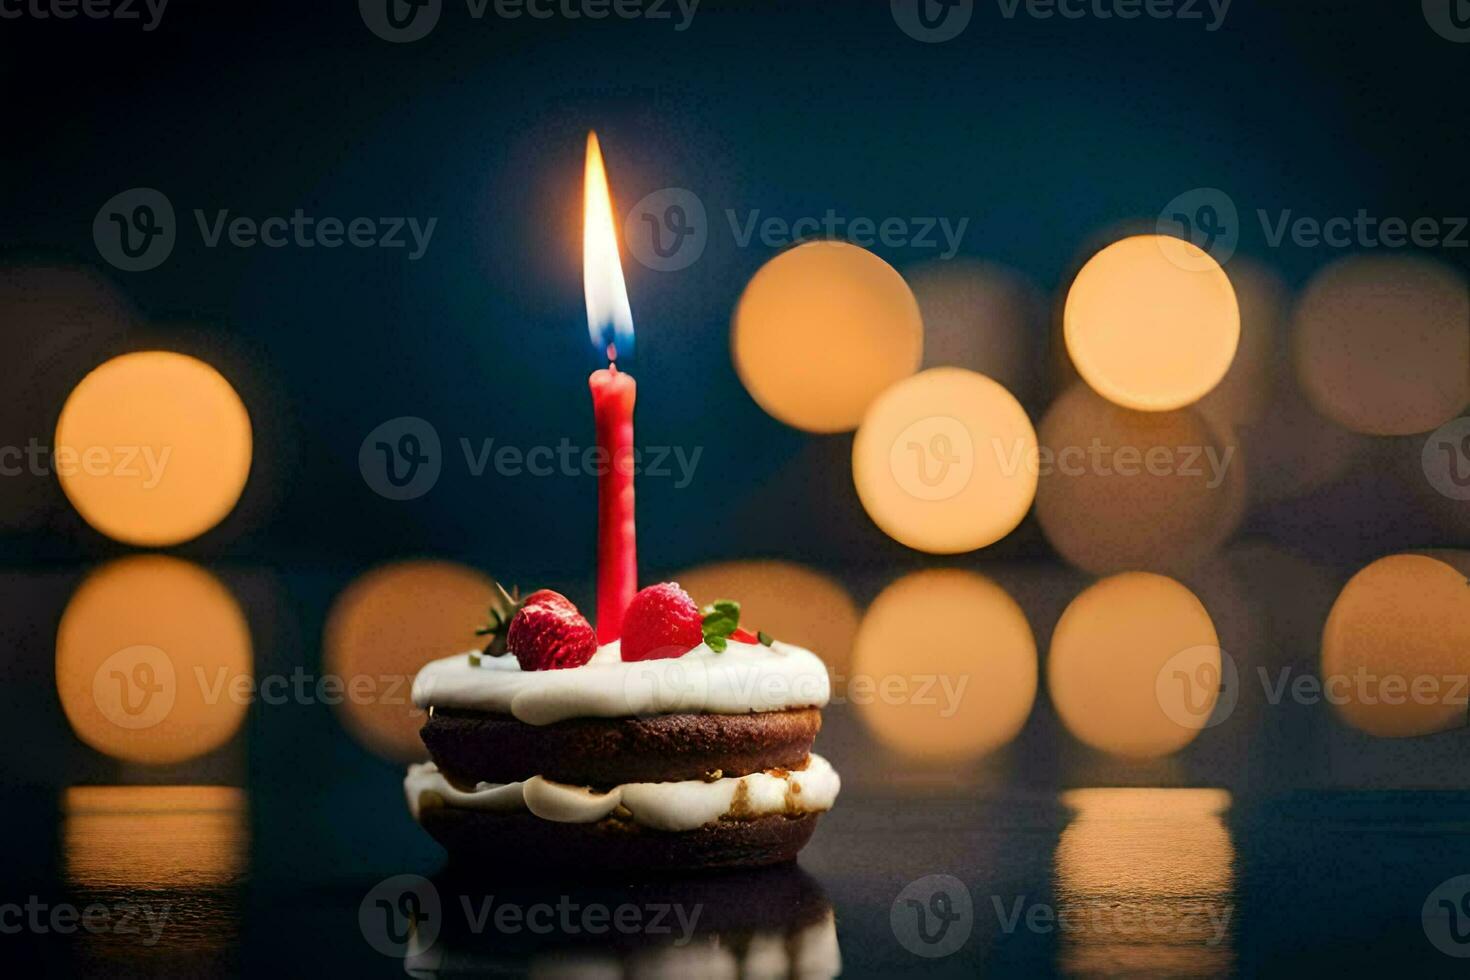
<point>768,923</point>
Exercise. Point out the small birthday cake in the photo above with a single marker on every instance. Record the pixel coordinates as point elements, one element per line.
<point>684,744</point>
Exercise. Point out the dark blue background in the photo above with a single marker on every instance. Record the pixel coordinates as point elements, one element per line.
<point>1041,132</point>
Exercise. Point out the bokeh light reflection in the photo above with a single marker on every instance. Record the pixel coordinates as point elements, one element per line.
<point>1145,880</point>
<point>176,857</point>
<point>962,638</point>
<point>1396,646</point>
<point>1126,665</point>
<point>1383,343</point>
<point>153,661</point>
<point>982,317</point>
<point>1121,489</point>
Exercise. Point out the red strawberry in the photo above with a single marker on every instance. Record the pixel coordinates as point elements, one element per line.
<point>661,622</point>
<point>744,636</point>
<point>548,633</point>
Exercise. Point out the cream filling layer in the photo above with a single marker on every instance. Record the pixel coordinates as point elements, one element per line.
<point>684,805</point>
<point>746,677</point>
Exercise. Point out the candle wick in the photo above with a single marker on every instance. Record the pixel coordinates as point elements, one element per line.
<point>612,356</point>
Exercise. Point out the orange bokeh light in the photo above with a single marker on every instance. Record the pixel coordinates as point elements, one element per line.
<point>383,628</point>
<point>153,448</point>
<point>1151,323</point>
<point>821,330</point>
<point>945,461</point>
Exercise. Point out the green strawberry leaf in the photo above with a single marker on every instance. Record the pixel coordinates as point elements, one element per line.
<point>764,637</point>
<point>503,608</point>
<point>719,619</point>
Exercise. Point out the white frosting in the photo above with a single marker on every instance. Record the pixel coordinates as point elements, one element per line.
<point>746,677</point>
<point>684,805</point>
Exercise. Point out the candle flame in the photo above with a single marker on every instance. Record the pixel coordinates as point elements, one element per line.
<point>609,319</point>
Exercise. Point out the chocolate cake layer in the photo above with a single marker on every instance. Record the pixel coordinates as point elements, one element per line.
<point>520,843</point>
<point>473,747</point>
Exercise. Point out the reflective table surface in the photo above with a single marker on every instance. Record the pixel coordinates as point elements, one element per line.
<point>261,827</point>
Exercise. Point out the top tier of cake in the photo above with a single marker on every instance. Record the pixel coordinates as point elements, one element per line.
<point>744,678</point>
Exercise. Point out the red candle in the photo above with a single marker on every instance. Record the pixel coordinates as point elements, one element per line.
<point>610,324</point>
<point>613,393</point>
